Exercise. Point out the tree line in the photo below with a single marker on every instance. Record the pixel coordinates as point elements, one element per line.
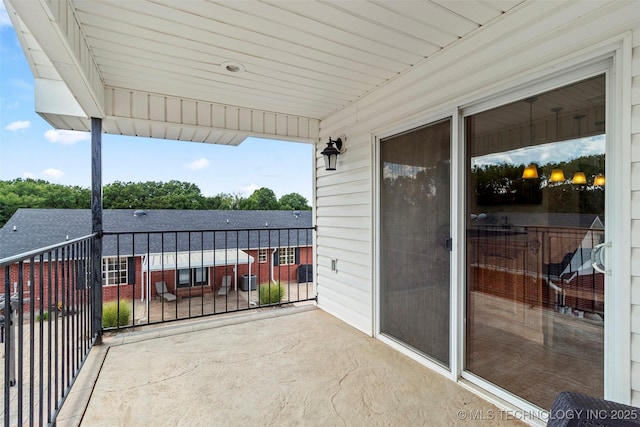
<point>32,193</point>
<point>503,185</point>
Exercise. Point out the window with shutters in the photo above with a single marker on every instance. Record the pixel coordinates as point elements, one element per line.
<point>287,256</point>
<point>114,271</point>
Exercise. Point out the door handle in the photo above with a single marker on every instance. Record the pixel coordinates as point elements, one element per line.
<point>597,258</point>
<point>448,244</point>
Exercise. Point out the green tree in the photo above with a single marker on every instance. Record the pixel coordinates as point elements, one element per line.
<point>153,195</point>
<point>31,193</point>
<point>293,201</point>
<point>225,201</point>
<point>263,198</point>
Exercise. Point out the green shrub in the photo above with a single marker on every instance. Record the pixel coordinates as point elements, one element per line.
<point>271,293</point>
<point>110,316</point>
<point>43,318</point>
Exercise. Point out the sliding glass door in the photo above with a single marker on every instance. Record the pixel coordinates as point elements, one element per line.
<point>535,215</point>
<point>415,239</point>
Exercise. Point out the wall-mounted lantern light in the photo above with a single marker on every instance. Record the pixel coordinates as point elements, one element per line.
<point>330,153</point>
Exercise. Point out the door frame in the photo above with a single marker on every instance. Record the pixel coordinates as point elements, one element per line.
<point>617,328</point>
<point>612,57</point>
<point>417,122</point>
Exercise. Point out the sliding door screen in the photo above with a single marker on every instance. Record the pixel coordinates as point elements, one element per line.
<point>415,239</point>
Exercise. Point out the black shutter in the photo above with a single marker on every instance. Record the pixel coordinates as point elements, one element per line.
<point>276,257</point>
<point>297,256</point>
<point>131,270</point>
<point>81,276</point>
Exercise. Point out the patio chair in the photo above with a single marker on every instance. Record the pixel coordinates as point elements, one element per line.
<point>162,290</point>
<point>571,409</point>
<point>226,284</point>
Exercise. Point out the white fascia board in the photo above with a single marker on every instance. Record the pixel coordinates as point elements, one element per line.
<point>54,97</point>
<point>84,84</point>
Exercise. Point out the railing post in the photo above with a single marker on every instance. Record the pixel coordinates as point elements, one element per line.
<point>96,221</point>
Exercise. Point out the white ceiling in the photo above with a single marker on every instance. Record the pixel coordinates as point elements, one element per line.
<point>307,58</point>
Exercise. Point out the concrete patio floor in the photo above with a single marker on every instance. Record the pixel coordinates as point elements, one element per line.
<point>286,366</point>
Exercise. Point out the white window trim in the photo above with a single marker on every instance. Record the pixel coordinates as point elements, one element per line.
<point>108,273</point>
<point>288,254</point>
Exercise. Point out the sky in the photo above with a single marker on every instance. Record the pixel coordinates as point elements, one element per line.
<point>555,152</point>
<point>31,148</point>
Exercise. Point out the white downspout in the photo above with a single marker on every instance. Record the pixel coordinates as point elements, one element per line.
<point>251,303</point>
<point>143,281</point>
<point>146,283</point>
<point>235,276</point>
<point>273,267</point>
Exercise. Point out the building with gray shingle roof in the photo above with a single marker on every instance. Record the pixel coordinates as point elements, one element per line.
<point>181,247</point>
<point>31,229</point>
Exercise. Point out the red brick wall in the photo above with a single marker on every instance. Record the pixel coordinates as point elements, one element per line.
<point>50,287</point>
<point>262,271</point>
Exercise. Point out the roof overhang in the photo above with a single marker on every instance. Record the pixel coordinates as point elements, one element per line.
<point>220,72</point>
<point>194,259</point>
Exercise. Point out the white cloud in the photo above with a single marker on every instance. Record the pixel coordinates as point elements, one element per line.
<point>28,175</point>
<point>4,16</point>
<point>66,137</point>
<point>555,152</point>
<point>249,189</point>
<point>12,106</point>
<point>52,173</point>
<point>199,164</point>
<point>19,125</point>
<point>22,85</point>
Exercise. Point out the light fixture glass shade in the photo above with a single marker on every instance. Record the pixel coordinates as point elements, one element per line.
<point>599,180</point>
<point>579,178</point>
<point>556,175</point>
<point>530,172</point>
<point>330,154</point>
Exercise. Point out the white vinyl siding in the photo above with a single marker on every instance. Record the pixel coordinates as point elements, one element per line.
<point>538,39</point>
<point>635,222</point>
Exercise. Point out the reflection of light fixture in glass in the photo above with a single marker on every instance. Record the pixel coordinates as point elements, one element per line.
<point>578,177</point>
<point>556,175</point>
<point>557,111</point>
<point>600,180</point>
<point>531,171</point>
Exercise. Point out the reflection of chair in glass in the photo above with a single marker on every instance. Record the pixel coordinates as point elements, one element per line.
<point>162,290</point>
<point>574,276</point>
<point>226,283</point>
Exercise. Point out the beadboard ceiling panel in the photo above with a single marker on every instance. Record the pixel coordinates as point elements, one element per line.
<point>294,58</point>
<point>308,58</point>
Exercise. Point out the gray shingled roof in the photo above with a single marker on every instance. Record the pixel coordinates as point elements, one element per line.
<point>38,228</point>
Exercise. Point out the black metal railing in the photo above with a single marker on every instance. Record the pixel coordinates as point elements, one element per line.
<point>47,326</point>
<point>50,320</point>
<point>154,277</point>
<point>553,265</point>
